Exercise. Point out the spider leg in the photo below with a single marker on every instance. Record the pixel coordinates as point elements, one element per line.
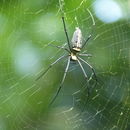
<point>65,30</point>
<point>61,81</point>
<point>50,67</point>
<point>84,75</point>
<point>89,37</point>
<point>60,47</point>
<point>88,90</point>
<point>88,55</point>
<point>91,69</point>
<point>82,69</point>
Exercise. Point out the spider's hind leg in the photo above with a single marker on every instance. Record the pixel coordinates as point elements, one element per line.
<point>93,71</point>
<point>85,84</point>
<point>86,77</point>
<point>61,81</point>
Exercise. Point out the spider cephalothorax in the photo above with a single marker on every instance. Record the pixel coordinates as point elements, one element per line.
<point>73,57</point>
<point>74,53</point>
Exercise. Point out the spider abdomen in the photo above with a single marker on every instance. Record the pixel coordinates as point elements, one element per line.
<point>77,39</point>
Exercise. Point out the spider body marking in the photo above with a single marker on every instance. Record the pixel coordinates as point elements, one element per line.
<point>74,49</point>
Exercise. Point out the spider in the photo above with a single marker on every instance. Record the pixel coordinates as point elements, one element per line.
<point>74,49</point>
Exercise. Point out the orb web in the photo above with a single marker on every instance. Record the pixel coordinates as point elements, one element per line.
<point>28,28</point>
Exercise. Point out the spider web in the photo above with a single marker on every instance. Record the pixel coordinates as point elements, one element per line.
<point>27,30</point>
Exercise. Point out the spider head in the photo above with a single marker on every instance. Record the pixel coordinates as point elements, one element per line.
<point>77,40</point>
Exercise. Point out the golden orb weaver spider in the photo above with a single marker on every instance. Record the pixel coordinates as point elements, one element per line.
<point>74,54</point>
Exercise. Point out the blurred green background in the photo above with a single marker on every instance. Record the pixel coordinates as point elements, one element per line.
<point>27,27</point>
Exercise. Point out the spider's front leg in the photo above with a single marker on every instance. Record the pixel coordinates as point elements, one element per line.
<point>66,33</point>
